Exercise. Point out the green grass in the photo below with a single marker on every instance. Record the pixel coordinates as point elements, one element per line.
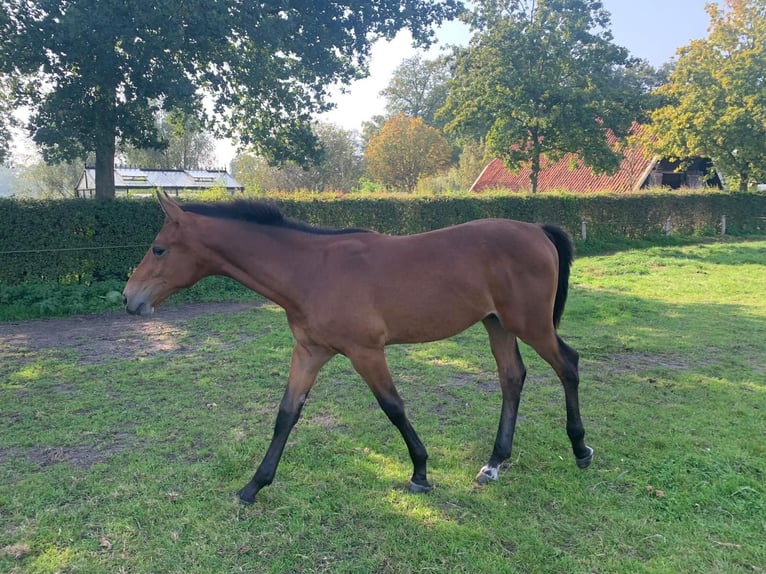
<point>131,466</point>
<point>41,299</point>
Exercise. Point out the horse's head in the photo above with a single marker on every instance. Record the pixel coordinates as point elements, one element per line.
<point>172,262</point>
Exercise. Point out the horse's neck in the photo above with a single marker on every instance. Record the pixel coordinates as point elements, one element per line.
<point>265,260</point>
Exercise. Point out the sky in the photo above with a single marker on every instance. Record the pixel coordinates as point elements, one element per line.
<point>650,29</point>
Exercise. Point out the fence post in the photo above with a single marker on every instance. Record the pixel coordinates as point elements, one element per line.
<point>667,226</point>
<point>584,230</point>
<point>723,224</point>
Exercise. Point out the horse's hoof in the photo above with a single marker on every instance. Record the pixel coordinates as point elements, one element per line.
<point>246,497</point>
<point>244,500</point>
<point>486,475</point>
<point>416,488</point>
<point>585,461</point>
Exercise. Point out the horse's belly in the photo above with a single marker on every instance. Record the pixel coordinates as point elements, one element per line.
<point>419,326</point>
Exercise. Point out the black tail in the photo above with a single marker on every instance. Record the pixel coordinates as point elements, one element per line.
<point>566,255</point>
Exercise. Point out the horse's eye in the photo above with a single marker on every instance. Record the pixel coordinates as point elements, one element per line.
<point>158,251</point>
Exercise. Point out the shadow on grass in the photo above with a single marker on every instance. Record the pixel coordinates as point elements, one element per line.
<point>662,242</point>
<point>672,397</point>
<point>742,252</point>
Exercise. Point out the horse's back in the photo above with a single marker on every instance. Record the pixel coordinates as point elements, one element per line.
<point>432,285</point>
<point>476,249</point>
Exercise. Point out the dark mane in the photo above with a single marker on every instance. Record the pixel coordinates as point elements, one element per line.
<point>260,213</point>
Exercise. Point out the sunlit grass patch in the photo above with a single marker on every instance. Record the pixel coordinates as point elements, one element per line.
<point>108,464</point>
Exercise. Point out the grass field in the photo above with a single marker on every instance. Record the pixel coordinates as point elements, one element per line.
<point>110,463</point>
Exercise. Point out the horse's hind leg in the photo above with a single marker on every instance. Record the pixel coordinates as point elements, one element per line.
<point>512,373</point>
<point>371,365</point>
<point>565,361</point>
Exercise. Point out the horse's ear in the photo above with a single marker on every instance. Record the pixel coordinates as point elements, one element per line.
<point>172,210</point>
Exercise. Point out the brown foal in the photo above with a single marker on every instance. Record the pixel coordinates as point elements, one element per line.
<point>354,291</point>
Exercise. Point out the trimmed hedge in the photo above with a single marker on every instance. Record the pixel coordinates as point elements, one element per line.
<point>76,241</point>
<point>608,217</point>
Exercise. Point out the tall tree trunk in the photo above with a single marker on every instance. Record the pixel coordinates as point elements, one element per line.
<point>105,168</point>
<point>536,152</point>
<point>743,178</point>
<point>535,173</point>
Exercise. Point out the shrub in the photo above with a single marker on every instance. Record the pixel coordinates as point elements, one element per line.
<point>81,242</point>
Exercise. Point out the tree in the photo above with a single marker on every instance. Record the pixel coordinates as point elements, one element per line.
<point>472,159</point>
<point>5,120</point>
<point>372,127</point>
<point>405,150</point>
<point>98,71</point>
<point>339,168</point>
<point>716,95</point>
<point>186,145</point>
<point>48,181</point>
<point>341,163</point>
<point>542,79</point>
<point>418,89</point>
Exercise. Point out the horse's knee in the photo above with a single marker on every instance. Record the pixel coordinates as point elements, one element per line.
<point>286,419</point>
<point>514,377</point>
<point>394,409</point>
<point>570,377</point>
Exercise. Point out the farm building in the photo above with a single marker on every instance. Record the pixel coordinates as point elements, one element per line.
<point>638,170</point>
<point>133,180</point>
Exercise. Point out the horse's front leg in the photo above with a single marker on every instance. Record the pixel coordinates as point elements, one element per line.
<point>305,365</point>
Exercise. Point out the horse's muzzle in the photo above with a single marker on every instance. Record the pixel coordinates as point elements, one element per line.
<point>137,307</point>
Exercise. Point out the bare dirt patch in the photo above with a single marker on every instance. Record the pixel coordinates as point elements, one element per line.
<point>106,336</point>
<point>95,339</point>
<point>80,456</point>
<point>621,363</point>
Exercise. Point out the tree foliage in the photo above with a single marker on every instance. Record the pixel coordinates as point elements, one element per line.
<point>372,127</point>
<point>405,150</point>
<point>418,88</point>
<point>716,95</point>
<point>41,180</point>
<point>95,71</point>
<point>338,169</point>
<point>186,145</point>
<point>5,120</point>
<point>541,79</point>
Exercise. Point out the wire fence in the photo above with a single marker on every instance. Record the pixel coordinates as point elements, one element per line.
<point>67,249</point>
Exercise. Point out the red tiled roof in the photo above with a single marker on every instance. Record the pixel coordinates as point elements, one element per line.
<point>632,172</point>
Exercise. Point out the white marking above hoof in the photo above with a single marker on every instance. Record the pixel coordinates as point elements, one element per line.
<point>486,474</point>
